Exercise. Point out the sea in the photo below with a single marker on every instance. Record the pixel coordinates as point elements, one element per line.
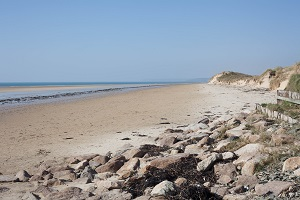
<point>17,93</point>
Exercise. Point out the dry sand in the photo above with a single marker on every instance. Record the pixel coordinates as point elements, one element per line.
<point>33,133</point>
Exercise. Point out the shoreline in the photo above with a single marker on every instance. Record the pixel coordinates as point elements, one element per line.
<point>33,133</point>
<point>32,95</point>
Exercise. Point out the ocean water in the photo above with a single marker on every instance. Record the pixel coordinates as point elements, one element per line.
<point>30,92</point>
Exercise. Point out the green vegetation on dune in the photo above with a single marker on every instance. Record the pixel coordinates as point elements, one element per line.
<point>231,77</point>
<point>294,83</point>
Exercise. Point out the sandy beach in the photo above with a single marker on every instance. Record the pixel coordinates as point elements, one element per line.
<point>33,133</point>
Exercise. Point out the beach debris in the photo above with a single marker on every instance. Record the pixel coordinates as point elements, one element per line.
<point>126,138</point>
<point>221,157</point>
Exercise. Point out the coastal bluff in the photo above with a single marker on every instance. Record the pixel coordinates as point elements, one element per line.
<point>273,79</point>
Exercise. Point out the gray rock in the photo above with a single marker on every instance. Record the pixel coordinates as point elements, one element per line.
<point>68,193</point>
<point>208,162</point>
<point>115,194</point>
<point>226,172</point>
<point>221,191</point>
<point>249,148</point>
<point>23,176</point>
<point>247,181</point>
<point>163,189</point>
<point>8,178</point>
<point>235,197</point>
<point>275,187</point>
<point>81,165</point>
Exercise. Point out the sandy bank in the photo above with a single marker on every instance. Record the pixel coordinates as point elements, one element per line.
<point>30,134</point>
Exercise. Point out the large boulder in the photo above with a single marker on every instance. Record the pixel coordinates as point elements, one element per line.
<point>225,172</point>
<point>291,164</point>
<point>250,148</point>
<point>23,176</point>
<point>208,162</point>
<point>247,181</point>
<point>164,162</point>
<point>128,168</point>
<point>163,189</point>
<point>275,187</point>
<point>112,165</point>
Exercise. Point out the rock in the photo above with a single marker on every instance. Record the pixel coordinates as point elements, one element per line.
<point>36,178</point>
<point>215,134</point>
<point>275,187</point>
<point>23,176</point>
<point>221,191</point>
<point>280,139</point>
<point>208,162</point>
<point>255,156</point>
<point>112,165</point>
<point>44,190</point>
<point>237,133</point>
<point>53,182</point>
<point>98,160</point>
<point>115,194</point>
<point>233,122</point>
<point>249,168</point>
<point>134,153</point>
<point>164,162</point>
<point>167,141</point>
<point>228,155</point>
<point>291,164</point>
<point>235,197</point>
<point>68,193</point>
<point>88,172</point>
<point>29,196</point>
<point>81,165</point>
<point>163,189</point>
<point>67,175</point>
<point>260,125</point>
<point>104,175</point>
<point>128,168</point>
<point>8,178</point>
<point>180,182</point>
<point>205,141</point>
<point>87,157</point>
<point>144,197</point>
<point>297,172</point>
<point>253,138</point>
<point>193,149</point>
<point>247,181</point>
<point>204,121</point>
<point>109,184</point>
<point>226,172</point>
<point>196,137</point>
<point>221,144</point>
<point>249,148</point>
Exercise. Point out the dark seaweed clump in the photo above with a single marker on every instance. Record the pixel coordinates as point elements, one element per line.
<point>193,189</point>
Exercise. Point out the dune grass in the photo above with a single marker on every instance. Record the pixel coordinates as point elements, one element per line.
<point>294,83</point>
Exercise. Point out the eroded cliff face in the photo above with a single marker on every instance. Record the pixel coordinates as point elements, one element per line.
<point>273,79</point>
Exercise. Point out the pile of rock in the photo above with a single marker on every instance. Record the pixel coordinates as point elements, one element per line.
<point>217,158</point>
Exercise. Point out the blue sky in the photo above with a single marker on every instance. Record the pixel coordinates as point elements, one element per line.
<point>134,40</point>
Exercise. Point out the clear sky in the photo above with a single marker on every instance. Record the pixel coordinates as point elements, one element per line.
<point>144,40</point>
